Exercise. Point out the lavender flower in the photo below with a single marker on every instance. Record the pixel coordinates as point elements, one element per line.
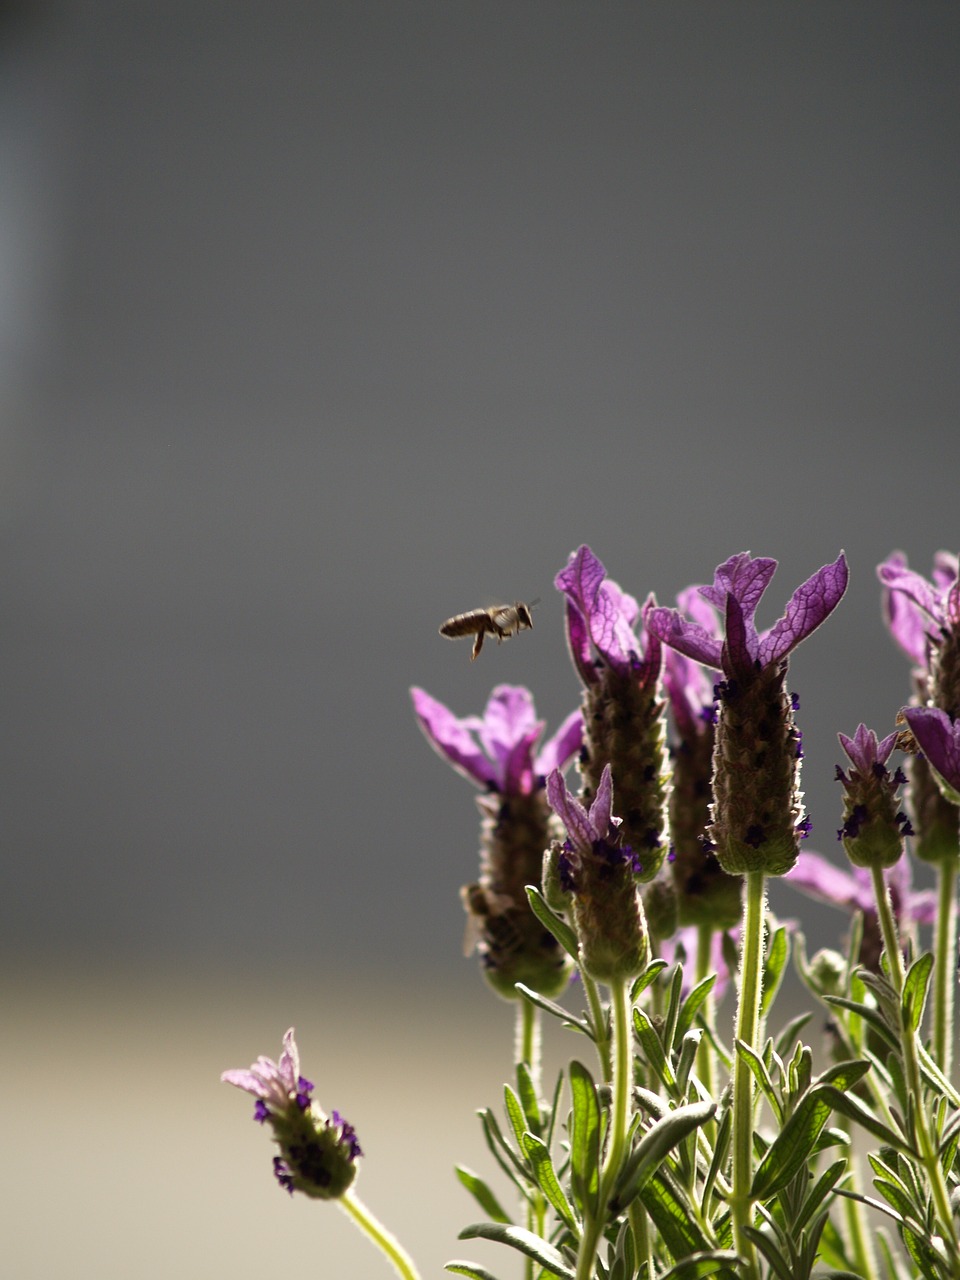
<point>874,825</point>
<point>317,1154</point>
<point>601,873</point>
<point>498,751</point>
<point>758,816</point>
<point>938,737</point>
<point>623,711</point>
<point>852,891</point>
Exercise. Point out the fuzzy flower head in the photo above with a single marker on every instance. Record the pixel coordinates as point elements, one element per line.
<point>874,825</point>
<point>921,614</point>
<point>817,877</point>
<point>757,816</point>
<point>620,667</point>
<point>498,750</point>
<point>600,873</point>
<point>938,737</point>
<point>317,1154</point>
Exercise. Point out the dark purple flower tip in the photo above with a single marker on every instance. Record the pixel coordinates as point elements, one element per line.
<point>938,737</point>
<point>261,1111</point>
<point>803,828</point>
<point>304,1090</point>
<point>855,820</point>
<point>904,823</point>
<point>348,1135</point>
<point>795,701</point>
<point>283,1173</point>
<point>672,854</point>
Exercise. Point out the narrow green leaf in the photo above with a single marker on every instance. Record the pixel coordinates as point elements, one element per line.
<point>518,1121</point>
<point>793,1144</point>
<point>653,1049</point>
<point>584,1137</point>
<point>869,1015</point>
<point>791,1030</point>
<point>484,1197</point>
<point>655,1145</point>
<point>652,971</point>
<point>915,990</point>
<point>525,1241</point>
<point>935,1078</point>
<point>895,1197</point>
<point>470,1269</point>
<point>724,1131</point>
<point>849,1105</point>
<point>552,922</point>
<point>778,953</point>
<point>539,1157</point>
<point>555,1010</point>
<point>528,1098</point>
<point>689,1047</point>
<point>554,1108</point>
<point>675,1220</point>
<point>817,1194</point>
<point>702,1264</point>
<point>692,1006</point>
<point>501,1148</point>
<point>845,1074</point>
<point>760,1074</point>
<point>673,1006</point>
<point>768,1248</point>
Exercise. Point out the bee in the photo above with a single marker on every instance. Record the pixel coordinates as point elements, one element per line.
<point>490,922</point>
<point>502,621</point>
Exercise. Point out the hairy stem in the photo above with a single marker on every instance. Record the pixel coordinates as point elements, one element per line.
<point>747,1031</point>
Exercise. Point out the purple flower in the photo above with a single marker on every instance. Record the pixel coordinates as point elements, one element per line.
<point>737,587</point>
<point>918,611</point>
<point>874,825</point>
<point>938,737</point>
<point>318,1154</point>
<point>498,749</point>
<point>853,891</point>
<point>601,622</point>
<point>689,689</point>
<point>601,874</point>
<point>274,1084</point>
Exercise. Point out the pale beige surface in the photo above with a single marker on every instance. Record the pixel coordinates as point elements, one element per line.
<point>124,1157</point>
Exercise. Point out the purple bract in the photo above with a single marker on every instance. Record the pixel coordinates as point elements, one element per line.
<point>938,737</point>
<point>601,621</point>
<point>914,607</point>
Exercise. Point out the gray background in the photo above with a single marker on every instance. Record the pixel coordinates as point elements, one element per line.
<point>320,323</point>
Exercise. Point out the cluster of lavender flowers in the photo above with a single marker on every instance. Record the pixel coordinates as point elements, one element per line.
<point>687,1151</point>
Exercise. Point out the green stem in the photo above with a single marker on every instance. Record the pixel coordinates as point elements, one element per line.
<point>704,966</point>
<point>945,948</point>
<point>384,1240</point>
<point>618,1127</point>
<point>747,1030</point>
<point>859,1236</point>
<point>599,1024</point>
<point>911,1063</point>
<point>527,1044</point>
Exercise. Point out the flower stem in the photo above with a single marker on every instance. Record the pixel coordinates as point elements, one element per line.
<point>705,1052</point>
<point>943,972</point>
<point>619,1125</point>
<point>527,1044</point>
<point>384,1240</point>
<point>911,1064</point>
<point>747,1031</point>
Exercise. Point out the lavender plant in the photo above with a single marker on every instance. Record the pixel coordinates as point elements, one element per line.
<point>677,1152</point>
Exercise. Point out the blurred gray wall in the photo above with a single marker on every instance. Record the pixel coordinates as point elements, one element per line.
<point>322,322</point>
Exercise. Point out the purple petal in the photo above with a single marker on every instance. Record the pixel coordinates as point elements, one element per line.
<point>607,611</point>
<point>741,646</point>
<point>686,637</point>
<point>939,740</point>
<point>864,750</point>
<point>743,576</point>
<point>289,1064</point>
<point>558,751</point>
<point>508,719</point>
<point>811,603</point>
<point>578,639</point>
<point>517,770</point>
<point>570,811</point>
<point>906,622</point>
<point>922,906</point>
<point>246,1080</point>
<point>601,811</point>
<point>946,570</point>
<point>819,878</point>
<point>450,737</point>
<point>895,575</point>
<point>688,690</point>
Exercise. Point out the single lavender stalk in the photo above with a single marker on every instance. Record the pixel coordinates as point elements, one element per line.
<point>924,619</point>
<point>757,815</point>
<point>379,1236</point>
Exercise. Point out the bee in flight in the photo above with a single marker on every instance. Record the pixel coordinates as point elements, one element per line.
<point>502,621</point>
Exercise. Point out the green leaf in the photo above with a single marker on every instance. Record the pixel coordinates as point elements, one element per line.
<point>702,1264</point>
<point>849,1105</point>
<point>469,1269</point>
<point>673,1006</point>
<point>528,1098</point>
<point>760,1074</point>
<point>794,1143</point>
<point>869,1015</point>
<point>792,1029</point>
<point>817,1194</point>
<point>653,1148</point>
<point>652,971</point>
<point>484,1197</point>
<point>525,1241</point>
<point>778,953</point>
<point>689,1047</point>
<point>584,1138</point>
<point>518,1121</point>
<point>653,1049</point>
<point>692,1006</point>
<point>553,923</point>
<point>501,1148</point>
<point>539,1157</point>
<point>555,1010</point>
<point>768,1248</point>
<point>675,1220</point>
<point>915,990</point>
